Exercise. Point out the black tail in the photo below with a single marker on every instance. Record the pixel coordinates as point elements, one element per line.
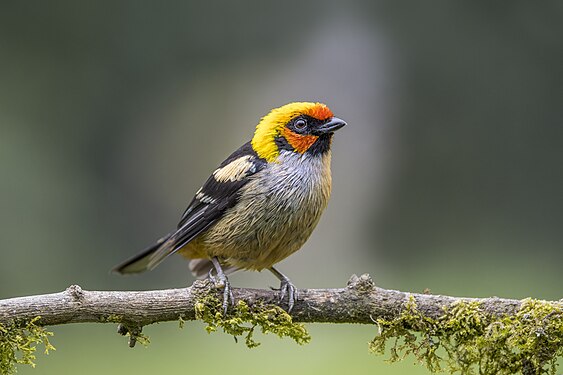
<point>140,262</point>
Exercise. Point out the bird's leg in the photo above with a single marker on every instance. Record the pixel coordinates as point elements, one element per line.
<point>227,292</point>
<point>211,277</point>
<point>286,287</point>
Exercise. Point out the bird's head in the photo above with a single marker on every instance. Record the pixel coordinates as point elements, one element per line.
<point>299,127</point>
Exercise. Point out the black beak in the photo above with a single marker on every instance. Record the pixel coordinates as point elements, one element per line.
<point>330,127</point>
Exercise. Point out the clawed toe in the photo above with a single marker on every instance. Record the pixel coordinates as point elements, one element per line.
<point>228,298</point>
<point>221,281</point>
<point>286,289</point>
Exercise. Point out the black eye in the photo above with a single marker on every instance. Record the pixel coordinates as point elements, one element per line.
<point>300,124</point>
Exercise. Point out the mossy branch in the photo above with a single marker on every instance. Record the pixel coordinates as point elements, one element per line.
<point>493,335</point>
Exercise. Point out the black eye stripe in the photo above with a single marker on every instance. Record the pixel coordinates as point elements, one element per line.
<point>310,123</point>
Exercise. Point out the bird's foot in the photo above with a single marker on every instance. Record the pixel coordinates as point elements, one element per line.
<point>221,281</point>
<point>228,298</point>
<point>287,288</point>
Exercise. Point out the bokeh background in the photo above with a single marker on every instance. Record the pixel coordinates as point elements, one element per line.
<point>449,175</point>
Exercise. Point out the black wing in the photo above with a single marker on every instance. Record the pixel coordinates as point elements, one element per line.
<point>218,193</point>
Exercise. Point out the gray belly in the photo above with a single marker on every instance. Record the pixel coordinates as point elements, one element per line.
<point>276,214</point>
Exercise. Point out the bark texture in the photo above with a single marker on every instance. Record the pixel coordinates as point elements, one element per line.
<point>359,302</point>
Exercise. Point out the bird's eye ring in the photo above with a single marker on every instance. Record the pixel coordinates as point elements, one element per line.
<point>300,124</point>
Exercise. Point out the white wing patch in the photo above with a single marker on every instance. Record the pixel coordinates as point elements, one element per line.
<point>236,170</point>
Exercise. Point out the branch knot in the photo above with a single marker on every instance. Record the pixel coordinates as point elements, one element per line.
<point>362,284</point>
<point>76,293</point>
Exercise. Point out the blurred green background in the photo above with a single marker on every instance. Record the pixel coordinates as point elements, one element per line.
<point>449,175</point>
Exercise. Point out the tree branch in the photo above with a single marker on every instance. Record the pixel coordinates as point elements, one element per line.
<point>495,335</point>
<point>360,302</point>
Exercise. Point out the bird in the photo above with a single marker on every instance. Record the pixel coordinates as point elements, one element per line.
<point>259,206</point>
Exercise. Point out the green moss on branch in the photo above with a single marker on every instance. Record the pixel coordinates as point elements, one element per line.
<point>465,340</point>
<point>18,343</point>
<point>244,319</point>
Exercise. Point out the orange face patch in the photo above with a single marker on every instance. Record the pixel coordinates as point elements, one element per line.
<point>299,142</point>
